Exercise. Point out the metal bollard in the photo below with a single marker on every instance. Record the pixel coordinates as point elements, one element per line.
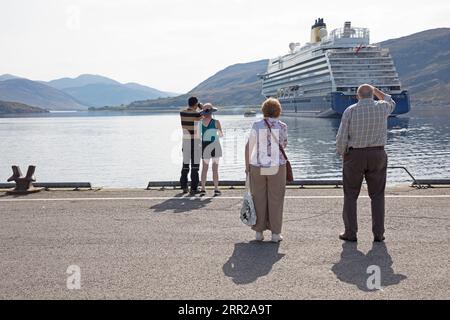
<point>24,185</point>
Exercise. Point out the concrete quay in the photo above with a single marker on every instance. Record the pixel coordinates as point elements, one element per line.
<point>136,244</point>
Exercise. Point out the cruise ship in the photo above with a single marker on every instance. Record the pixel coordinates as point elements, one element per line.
<point>320,79</point>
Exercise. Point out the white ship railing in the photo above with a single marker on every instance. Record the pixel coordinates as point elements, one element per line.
<point>349,33</point>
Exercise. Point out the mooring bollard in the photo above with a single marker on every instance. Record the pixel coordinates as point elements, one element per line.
<point>24,185</point>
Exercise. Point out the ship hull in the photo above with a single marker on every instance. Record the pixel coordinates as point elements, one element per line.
<point>334,105</point>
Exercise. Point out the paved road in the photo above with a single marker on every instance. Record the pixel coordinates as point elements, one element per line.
<point>158,245</point>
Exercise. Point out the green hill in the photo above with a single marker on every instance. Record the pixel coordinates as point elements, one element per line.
<point>7,107</point>
<point>38,94</point>
<point>423,64</point>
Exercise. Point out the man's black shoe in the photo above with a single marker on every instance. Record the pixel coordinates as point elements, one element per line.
<point>379,239</point>
<point>344,237</point>
<point>194,192</point>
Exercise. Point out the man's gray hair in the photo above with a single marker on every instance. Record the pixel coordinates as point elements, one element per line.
<point>365,91</point>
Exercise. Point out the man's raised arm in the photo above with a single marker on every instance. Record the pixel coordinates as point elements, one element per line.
<point>390,103</point>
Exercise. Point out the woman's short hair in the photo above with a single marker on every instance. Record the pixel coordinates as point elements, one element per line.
<point>271,108</point>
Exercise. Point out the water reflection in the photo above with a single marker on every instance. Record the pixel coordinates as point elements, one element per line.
<point>396,123</point>
<point>312,145</point>
<point>128,151</point>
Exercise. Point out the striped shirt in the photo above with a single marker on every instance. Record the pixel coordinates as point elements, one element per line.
<point>364,125</point>
<point>190,122</point>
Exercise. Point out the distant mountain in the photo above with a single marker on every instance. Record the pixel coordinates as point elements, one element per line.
<point>235,85</point>
<point>423,63</point>
<point>99,94</point>
<point>162,94</point>
<point>4,77</point>
<point>37,94</point>
<point>80,81</point>
<point>7,107</point>
<point>75,93</point>
<point>98,91</point>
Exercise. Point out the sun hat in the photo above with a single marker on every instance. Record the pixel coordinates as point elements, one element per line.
<point>209,108</point>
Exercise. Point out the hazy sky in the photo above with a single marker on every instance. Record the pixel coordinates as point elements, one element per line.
<point>173,45</point>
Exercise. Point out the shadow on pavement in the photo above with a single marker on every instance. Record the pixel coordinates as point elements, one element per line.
<point>353,266</point>
<point>251,261</point>
<point>181,204</point>
<point>13,196</point>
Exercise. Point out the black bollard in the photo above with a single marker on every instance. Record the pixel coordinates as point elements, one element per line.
<point>24,185</point>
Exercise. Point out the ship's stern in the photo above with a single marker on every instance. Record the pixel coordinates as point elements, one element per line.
<point>340,102</point>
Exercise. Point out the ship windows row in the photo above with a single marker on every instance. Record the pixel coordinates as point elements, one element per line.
<point>365,73</point>
<point>362,77</point>
<point>296,67</point>
<point>354,68</point>
<point>358,81</point>
<point>301,90</point>
<point>362,62</point>
<point>294,81</point>
<point>355,89</point>
<point>306,93</point>
<point>300,75</point>
<point>359,55</point>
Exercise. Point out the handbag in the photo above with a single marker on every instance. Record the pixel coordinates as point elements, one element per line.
<point>248,211</point>
<point>289,172</point>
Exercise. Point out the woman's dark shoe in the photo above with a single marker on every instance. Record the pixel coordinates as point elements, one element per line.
<point>202,193</point>
<point>185,191</point>
<point>344,237</point>
<point>217,193</point>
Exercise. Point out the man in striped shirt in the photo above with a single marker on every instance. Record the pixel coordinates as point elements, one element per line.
<point>192,145</point>
<point>360,141</point>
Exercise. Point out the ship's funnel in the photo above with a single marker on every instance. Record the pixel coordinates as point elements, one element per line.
<point>315,30</point>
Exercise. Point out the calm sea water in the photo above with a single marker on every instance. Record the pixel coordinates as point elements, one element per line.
<point>130,150</point>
